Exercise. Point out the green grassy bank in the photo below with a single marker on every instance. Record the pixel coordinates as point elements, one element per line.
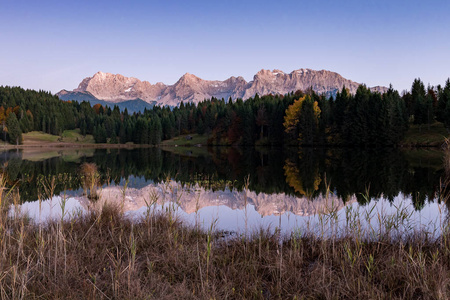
<point>187,145</point>
<point>68,136</point>
<point>432,135</point>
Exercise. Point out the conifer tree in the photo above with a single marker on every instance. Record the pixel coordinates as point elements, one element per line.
<point>14,131</point>
<point>419,102</point>
<point>443,106</point>
<point>155,131</point>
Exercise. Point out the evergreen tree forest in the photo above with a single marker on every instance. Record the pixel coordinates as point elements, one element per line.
<point>298,118</point>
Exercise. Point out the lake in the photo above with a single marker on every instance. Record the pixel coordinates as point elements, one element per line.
<point>235,189</point>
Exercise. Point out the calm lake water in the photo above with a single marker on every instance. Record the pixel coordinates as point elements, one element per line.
<point>239,189</point>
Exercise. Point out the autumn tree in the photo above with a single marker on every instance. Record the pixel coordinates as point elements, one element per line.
<point>302,119</point>
<point>292,113</point>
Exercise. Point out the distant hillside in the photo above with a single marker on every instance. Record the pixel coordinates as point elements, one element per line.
<point>134,105</point>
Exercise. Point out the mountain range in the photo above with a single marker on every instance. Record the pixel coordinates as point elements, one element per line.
<point>116,89</point>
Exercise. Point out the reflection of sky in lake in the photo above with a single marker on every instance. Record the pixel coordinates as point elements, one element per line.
<point>51,209</point>
<point>246,218</point>
<point>240,220</point>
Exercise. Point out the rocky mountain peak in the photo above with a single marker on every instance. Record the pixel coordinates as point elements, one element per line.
<point>101,74</point>
<point>262,73</point>
<point>189,78</point>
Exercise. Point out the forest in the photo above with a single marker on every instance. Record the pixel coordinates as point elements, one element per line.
<point>298,118</point>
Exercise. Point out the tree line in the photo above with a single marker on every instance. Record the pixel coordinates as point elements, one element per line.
<point>298,118</point>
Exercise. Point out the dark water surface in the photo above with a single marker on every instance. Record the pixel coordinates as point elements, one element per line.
<point>228,184</point>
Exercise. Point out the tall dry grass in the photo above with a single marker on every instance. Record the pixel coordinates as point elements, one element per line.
<point>90,177</point>
<point>447,158</point>
<point>105,255</point>
<point>445,181</point>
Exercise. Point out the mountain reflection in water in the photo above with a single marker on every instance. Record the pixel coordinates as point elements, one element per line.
<point>271,182</point>
<point>194,198</point>
<point>239,211</point>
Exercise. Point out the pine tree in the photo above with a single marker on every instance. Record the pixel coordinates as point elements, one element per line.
<point>200,127</point>
<point>83,127</point>
<point>308,122</point>
<point>419,102</point>
<point>14,131</point>
<point>100,134</point>
<point>261,120</point>
<point>442,114</point>
<point>155,131</point>
<point>122,134</point>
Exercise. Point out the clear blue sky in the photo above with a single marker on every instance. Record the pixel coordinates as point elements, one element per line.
<point>53,45</point>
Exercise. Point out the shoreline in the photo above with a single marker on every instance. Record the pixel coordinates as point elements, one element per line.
<point>52,146</point>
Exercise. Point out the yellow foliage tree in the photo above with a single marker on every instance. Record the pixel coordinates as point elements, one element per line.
<point>317,111</point>
<point>292,113</point>
<point>2,115</point>
<point>306,112</point>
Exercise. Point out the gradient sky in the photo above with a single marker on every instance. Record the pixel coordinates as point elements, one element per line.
<point>53,45</point>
